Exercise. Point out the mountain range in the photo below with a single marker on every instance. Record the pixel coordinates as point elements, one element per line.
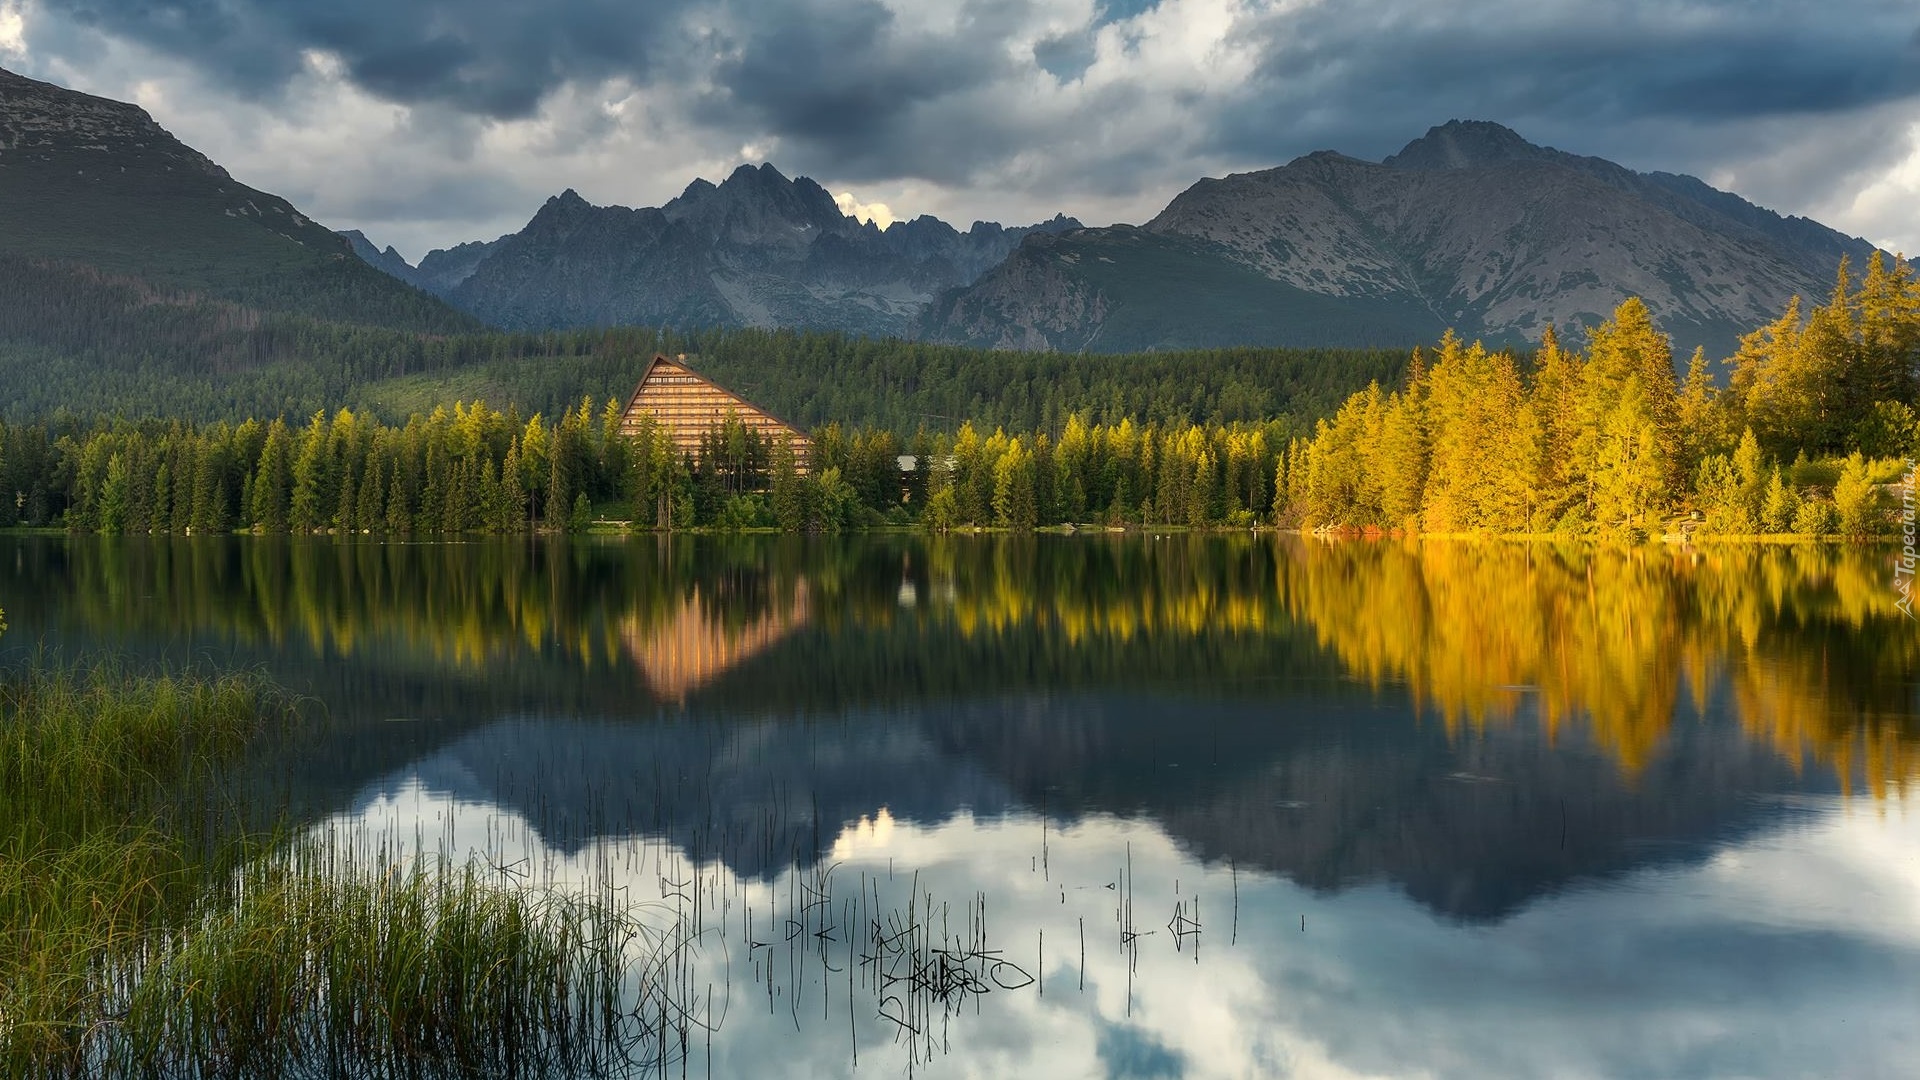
<point>1470,227</point>
<point>757,249</point>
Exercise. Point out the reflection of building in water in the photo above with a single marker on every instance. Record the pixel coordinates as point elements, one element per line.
<point>695,645</point>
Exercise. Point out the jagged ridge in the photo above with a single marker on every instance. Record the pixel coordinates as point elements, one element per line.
<point>1470,227</point>
<point>756,249</point>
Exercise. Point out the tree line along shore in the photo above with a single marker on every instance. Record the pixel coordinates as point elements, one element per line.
<point>1806,430</point>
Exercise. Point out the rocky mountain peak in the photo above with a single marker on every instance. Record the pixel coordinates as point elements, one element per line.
<point>38,117</point>
<point>925,226</point>
<point>758,197</point>
<point>755,249</point>
<point>1058,223</point>
<point>1470,226</point>
<point>1327,157</point>
<point>389,260</point>
<point>561,212</point>
<point>1467,144</point>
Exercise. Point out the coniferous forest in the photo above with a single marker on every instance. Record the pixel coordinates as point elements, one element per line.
<point>1805,430</point>
<point>76,342</point>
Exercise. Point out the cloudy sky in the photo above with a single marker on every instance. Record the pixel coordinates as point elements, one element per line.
<point>428,122</point>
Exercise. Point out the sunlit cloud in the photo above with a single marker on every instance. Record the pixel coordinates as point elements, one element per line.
<point>1886,205</point>
<point>13,27</point>
<point>876,212</point>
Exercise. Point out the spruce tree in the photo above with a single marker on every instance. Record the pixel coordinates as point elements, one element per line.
<point>399,516</point>
<point>114,507</point>
<point>183,481</point>
<point>1699,414</point>
<point>431,515</point>
<point>371,486</point>
<point>162,517</point>
<point>1629,349</point>
<point>271,481</point>
<point>513,492</point>
<point>1750,476</point>
<point>311,505</point>
<point>788,494</point>
<point>1856,501</point>
<point>560,489</point>
<point>1013,497</point>
<point>1632,487</point>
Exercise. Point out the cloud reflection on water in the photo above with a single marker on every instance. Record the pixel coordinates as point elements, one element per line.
<point>1792,952</point>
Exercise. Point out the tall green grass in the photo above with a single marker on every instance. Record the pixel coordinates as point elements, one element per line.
<point>144,933</point>
<point>309,968</point>
<point>101,775</point>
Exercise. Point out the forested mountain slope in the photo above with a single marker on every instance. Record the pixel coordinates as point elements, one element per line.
<point>137,274</point>
<point>89,182</point>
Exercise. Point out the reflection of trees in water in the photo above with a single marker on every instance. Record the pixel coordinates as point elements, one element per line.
<point>1108,588</point>
<point>470,607</point>
<point>1068,672</point>
<point>461,605</point>
<point>1806,638</point>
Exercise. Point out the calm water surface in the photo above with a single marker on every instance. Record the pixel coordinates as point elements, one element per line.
<point>1122,807</point>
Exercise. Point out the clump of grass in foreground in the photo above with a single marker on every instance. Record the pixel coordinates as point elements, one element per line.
<point>138,937</point>
<point>100,778</point>
<point>311,969</point>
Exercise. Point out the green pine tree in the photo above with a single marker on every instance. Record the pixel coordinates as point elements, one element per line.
<point>271,480</point>
<point>115,497</point>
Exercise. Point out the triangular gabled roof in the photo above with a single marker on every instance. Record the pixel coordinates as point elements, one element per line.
<point>680,366</point>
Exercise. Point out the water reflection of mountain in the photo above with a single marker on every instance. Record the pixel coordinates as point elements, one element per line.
<point>1330,793</point>
<point>1335,793</point>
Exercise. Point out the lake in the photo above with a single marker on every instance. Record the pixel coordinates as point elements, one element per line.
<point>1122,806</point>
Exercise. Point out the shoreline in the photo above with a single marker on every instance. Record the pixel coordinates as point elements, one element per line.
<point>617,529</point>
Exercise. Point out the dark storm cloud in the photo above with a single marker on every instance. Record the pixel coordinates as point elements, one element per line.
<point>1065,56</point>
<point>851,90</point>
<point>496,58</point>
<point>1332,73</point>
<point>836,80</point>
<point>842,76</point>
